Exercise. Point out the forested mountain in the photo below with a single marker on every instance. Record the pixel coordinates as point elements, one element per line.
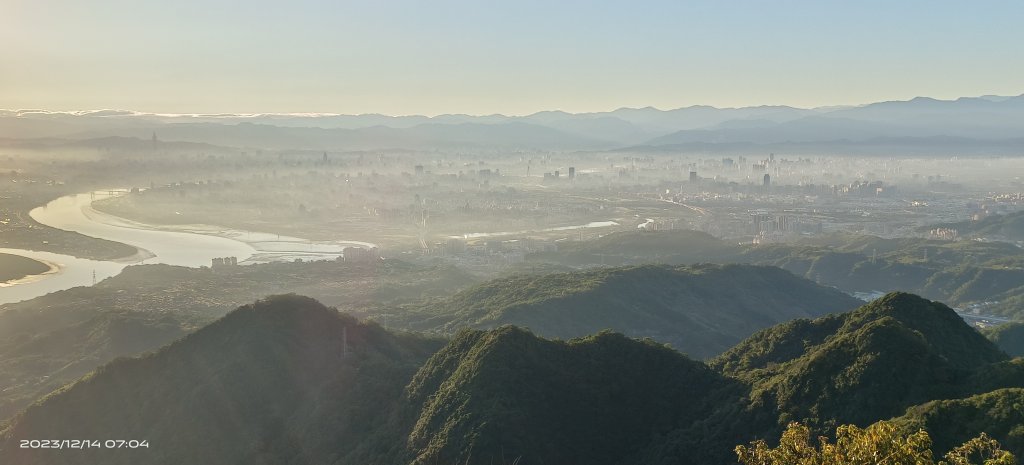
<point>960,273</point>
<point>999,413</point>
<point>507,396</point>
<point>287,380</point>
<point>54,339</point>
<point>700,310</point>
<point>857,367</point>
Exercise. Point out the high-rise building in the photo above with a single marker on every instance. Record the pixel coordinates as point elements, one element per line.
<point>767,180</point>
<point>572,172</point>
<point>693,176</point>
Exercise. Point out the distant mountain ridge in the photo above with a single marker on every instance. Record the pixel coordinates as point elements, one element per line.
<point>982,121</point>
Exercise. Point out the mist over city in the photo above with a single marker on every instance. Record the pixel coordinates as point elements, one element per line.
<point>428,233</point>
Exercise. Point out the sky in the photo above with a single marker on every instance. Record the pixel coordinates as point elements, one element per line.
<point>516,57</point>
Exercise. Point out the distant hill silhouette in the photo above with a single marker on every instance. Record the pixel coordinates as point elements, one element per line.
<point>989,124</point>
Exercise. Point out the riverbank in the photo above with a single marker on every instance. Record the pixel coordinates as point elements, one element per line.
<point>18,230</point>
<point>171,212</point>
<point>16,267</point>
<point>155,239</point>
<point>182,245</point>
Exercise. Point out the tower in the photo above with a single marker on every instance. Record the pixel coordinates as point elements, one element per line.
<point>344,341</point>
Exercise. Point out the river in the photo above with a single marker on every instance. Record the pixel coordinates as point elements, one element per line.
<point>188,245</point>
<point>592,224</point>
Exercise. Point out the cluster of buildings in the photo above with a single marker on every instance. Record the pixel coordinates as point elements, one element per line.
<point>656,225</point>
<point>1015,198</point>
<point>944,234</point>
<point>867,189</point>
<point>360,254</point>
<point>557,175</point>
<point>775,228</point>
<point>221,262</point>
<point>980,211</point>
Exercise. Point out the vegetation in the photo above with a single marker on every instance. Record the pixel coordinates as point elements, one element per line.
<point>27,191</point>
<point>880,443</point>
<point>16,267</point>
<point>634,248</point>
<point>700,310</point>
<point>961,273</point>
<point>865,365</point>
<point>515,398</point>
<point>1009,337</point>
<point>55,339</point>
<point>1007,227</point>
<point>287,380</point>
<point>999,414</point>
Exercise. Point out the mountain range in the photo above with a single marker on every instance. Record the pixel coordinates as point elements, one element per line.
<point>287,380</point>
<point>55,339</point>
<point>970,124</point>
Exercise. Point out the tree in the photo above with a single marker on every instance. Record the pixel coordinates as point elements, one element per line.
<point>879,444</point>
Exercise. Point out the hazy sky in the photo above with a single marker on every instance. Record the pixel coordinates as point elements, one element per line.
<point>512,57</point>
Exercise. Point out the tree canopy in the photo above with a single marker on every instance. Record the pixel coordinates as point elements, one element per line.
<point>882,443</point>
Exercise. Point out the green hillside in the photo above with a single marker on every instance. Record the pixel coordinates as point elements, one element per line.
<point>1009,337</point>
<point>506,396</point>
<point>700,310</point>
<point>32,366</point>
<point>54,339</point>
<point>960,273</point>
<point>287,380</point>
<point>269,383</point>
<point>1000,414</point>
<point>861,366</point>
